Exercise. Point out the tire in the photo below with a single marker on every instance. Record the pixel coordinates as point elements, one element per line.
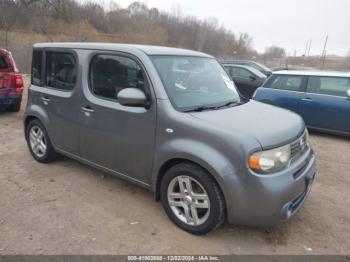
<point>175,200</point>
<point>16,107</point>
<point>45,154</point>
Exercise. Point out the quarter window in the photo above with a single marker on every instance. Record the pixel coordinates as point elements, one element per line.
<point>109,74</point>
<point>292,83</point>
<point>36,67</point>
<point>61,70</point>
<point>336,86</point>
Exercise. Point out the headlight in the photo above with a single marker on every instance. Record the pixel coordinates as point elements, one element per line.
<point>270,161</point>
<point>306,136</point>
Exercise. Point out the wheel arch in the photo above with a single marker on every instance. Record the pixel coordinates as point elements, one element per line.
<point>34,112</point>
<point>211,159</point>
<point>175,161</point>
<point>28,119</point>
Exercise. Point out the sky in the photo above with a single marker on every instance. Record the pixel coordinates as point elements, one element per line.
<point>290,24</point>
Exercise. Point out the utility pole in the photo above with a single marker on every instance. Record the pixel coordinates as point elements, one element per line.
<point>306,47</point>
<point>308,53</point>
<point>324,52</point>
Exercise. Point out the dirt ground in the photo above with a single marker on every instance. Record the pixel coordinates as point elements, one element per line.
<point>68,208</point>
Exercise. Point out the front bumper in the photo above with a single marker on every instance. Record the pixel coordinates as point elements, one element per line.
<point>265,200</point>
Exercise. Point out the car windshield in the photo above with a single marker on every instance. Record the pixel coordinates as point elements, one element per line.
<point>257,72</point>
<point>196,83</point>
<point>260,66</point>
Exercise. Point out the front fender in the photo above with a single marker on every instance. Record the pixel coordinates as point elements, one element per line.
<point>217,164</point>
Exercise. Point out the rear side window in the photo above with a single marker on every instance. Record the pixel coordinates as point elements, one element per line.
<point>336,86</point>
<point>110,73</point>
<point>61,70</point>
<point>291,83</point>
<point>36,67</point>
<point>3,64</point>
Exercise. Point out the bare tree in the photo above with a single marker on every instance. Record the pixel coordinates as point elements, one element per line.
<point>243,45</point>
<point>275,52</point>
<point>105,20</point>
<point>8,17</point>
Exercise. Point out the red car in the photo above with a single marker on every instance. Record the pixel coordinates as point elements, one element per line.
<point>11,83</point>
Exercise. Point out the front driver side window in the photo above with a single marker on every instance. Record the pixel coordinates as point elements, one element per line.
<point>111,73</point>
<point>245,74</point>
<point>241,72</point>
<point>235,72</point>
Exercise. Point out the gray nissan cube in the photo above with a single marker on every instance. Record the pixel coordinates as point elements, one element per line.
<point>172,121</point>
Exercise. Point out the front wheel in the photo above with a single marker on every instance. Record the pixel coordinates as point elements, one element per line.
<point>192,199</point>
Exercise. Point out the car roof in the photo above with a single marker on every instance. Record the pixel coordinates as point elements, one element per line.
<point>312,73</point>
<point>251,69</point>
<point>236,61</point>
<point>147,49</point>
<point>246,62</point>
<point>236,65</point>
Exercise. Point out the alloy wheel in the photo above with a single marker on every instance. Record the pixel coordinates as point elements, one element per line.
<point>188,200</point>
<point>37,141</point>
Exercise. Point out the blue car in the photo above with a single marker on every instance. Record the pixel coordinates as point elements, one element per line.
<point>321,98</point>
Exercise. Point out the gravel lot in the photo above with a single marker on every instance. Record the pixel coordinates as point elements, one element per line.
<point>68,208</point>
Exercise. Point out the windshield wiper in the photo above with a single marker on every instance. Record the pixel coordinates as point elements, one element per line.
<point>228,104</point>
<point>201,108</point>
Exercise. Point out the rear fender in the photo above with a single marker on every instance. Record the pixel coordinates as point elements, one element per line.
<point>35,111</point>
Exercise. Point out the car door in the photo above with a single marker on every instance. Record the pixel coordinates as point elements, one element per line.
<point>57,98</point>
<point>245,81</point>
<point>325,104</point>
<point>117,137</point>
<point>282,90</point>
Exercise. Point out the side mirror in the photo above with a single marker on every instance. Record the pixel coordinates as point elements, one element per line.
<point>348,93</point>
<point>253,78</point>
<point>132,97</point>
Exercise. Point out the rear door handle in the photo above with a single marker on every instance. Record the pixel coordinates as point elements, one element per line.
<point>307,99</point>
<point>45,99</point>
<point>87,109</point>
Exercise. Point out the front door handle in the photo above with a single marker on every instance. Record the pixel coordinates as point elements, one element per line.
<point>87,109</point>
<point>307,99</point>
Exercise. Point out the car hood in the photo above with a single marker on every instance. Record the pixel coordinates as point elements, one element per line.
<point>270,125</point>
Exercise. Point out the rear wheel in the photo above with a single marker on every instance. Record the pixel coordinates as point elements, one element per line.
<point>39,143</point>
<point>192,199</point>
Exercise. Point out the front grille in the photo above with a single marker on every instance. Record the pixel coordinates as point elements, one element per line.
<point>299,146</point>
